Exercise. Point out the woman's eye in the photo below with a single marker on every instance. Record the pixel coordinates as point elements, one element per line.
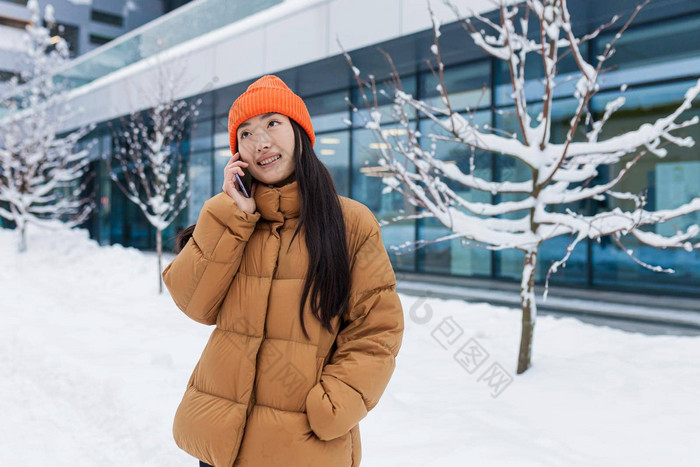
<point>273,121</point>
<point>244,134</point>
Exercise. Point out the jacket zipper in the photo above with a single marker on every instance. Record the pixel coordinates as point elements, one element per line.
<point>274,270</point>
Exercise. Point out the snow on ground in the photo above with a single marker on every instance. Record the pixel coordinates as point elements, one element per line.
<point>93,364</point>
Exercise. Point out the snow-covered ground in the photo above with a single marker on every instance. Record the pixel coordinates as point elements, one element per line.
<point>93,364</point>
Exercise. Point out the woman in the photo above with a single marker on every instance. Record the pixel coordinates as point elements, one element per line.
<point>300,287</point>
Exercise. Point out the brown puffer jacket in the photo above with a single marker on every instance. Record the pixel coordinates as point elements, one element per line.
<point>262,394</point>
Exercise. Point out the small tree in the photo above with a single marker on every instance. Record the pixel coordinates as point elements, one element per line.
<point>149,157</point>
<point>42,175</point>
<point>560,174</point>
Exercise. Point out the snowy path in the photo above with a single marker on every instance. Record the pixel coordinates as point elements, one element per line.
<point>93,364</point>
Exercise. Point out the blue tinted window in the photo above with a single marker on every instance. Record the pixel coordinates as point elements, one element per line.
<point>653,52</point>
<point>367,187</point>
<point>333,149</point>
<point>455,256</point>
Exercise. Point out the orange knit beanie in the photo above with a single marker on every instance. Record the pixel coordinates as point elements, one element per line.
<point>268,94</point>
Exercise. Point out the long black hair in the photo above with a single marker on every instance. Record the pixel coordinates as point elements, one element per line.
<point>328,277</point>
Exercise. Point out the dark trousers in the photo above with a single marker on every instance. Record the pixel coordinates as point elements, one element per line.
<point>204,464</point>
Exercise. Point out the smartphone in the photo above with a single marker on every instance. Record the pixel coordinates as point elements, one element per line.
<point>244,183</point>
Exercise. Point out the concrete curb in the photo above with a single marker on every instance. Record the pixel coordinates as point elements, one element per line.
<point>557,303</point>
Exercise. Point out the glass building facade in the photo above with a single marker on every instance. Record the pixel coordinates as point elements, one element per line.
<point>658,59</point>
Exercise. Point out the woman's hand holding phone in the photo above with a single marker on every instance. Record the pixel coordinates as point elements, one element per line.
<point>232,188</point>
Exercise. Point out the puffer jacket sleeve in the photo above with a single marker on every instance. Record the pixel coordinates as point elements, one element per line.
<point>359,370</point>
<point>201,274</point>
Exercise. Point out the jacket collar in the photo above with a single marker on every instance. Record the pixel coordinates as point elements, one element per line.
<point>276,203</point>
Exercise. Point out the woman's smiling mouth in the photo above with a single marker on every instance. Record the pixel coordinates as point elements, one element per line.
<point>269,160</point>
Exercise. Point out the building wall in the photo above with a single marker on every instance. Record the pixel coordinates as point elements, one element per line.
<point>252,41</point>
<point>83,32</point>
<point>79,14</point>
<point>658,59</point>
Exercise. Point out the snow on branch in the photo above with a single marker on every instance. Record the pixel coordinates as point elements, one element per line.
<point>148,164</point>
<point>43,174</point>
<point>560,174</point>
<point>150,167</point>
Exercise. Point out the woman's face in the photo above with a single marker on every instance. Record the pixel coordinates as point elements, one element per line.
<point>267,138</point>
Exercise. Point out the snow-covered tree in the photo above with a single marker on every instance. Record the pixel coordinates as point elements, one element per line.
<point>42,172</point>
<point>150,168</point>
<point>533,211</point>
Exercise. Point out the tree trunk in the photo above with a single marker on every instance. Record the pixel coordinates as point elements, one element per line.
<point>529,308</point>
<point>22,227</point>
<point>159,252</point>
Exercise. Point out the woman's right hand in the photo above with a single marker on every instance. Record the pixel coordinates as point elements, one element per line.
<point>231,187</point>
